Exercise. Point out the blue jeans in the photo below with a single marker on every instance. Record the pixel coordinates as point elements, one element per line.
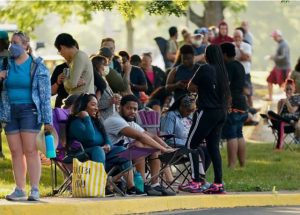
<point>23,119</point>
<point>233,127</point>
<point>110,159</point>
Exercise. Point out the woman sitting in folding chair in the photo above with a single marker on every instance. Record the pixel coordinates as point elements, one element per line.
<point>288,113</point>
<point>85,126</point>
<point>178,121</point>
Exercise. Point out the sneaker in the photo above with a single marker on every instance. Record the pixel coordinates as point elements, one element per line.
<point>135,192</point>
<point>190,186</point>
<point>16,195</point>
<point>204,186</point>
<point>164,191</point>
<point>34,195</point>
<point>152,192</point>
<point>215,189</point>
<point>108,192</point>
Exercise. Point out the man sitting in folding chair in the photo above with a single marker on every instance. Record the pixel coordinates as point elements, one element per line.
<point>288,115</point>
<point>122,130</point>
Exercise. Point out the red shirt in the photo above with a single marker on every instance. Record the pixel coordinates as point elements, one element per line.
<point>222,39</point>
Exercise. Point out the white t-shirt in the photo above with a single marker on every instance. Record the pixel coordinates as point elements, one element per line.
<point>113,126</point>
<point>246,48</point>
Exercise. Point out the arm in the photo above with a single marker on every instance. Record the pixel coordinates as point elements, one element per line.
<point>116,81</point>
<point>244,56</point>
<point>142,137</point>
<point>170,85</point>
<point>44,93</point>
<point>291,109</point>
<point>83,129</point>
<point>76,70</point>
<point>141,84</point>
<point>192,87</point>
<point>168,124</point>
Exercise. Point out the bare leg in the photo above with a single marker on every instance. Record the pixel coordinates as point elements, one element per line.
<point>32,157</point>
<point>232,149</point>
<point>270,90</point>
<point>241,151</point>
<point>18,159</point>
<point>154,167</point>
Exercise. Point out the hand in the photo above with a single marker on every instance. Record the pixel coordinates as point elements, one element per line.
<point>181,85</point>
<point>3,74</point>
<point>168,150</point>
<point>106,148</point>
<point>60,79</point>
<point>82,114</point>
<point>81,82</point>
<point>116,99</point>
<point>48,127</point>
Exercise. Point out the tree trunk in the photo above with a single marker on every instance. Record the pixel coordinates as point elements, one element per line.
<point>130,33</point>
<point>213,14</point>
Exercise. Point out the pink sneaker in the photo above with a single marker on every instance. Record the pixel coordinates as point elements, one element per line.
<point>215,189</point>
<point>190,186</point>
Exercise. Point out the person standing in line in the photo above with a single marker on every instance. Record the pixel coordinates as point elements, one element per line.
<point>282,61</point>
<point>212,86</point>
<point>81,76</point>
<point>25,106</point>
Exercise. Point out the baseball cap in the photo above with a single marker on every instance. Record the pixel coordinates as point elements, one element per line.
<point>203,31</point>
<point>276,32</point>
<point>197,32</point>
<point>106,52</point>
<point>3,35</point>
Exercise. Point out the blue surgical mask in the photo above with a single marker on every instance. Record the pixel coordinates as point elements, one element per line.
<point>16,50</point>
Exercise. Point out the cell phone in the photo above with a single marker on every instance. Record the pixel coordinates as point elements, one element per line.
<point>66,72</point>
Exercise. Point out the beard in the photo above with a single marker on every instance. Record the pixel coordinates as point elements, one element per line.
<point>129,119</point>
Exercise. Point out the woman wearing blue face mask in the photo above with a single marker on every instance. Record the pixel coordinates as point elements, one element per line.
<point>108,101</point>
<point>24,107</point>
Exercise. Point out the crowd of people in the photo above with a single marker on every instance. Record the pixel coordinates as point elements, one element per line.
<point>204,94</point>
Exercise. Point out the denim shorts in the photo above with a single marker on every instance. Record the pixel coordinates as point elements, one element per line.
<point>24,118</point>
<point>233,127</point>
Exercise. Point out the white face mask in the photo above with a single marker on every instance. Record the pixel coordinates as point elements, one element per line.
<point>106,70</point>
<point>197,42</point>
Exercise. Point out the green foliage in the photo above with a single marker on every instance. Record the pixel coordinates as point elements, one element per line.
<point>236,6</point>
<point>176,7</point>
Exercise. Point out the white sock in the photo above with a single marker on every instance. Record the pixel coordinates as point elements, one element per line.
<point>154,185</point>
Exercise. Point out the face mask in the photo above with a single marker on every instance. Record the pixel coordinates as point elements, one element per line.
<point>197,42</point>
<point>15,50</point>
<point>106,70</point>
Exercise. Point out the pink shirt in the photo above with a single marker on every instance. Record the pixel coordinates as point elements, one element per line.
<point>150,75</point>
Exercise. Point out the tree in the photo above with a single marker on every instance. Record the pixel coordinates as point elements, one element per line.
<point>29,14</point>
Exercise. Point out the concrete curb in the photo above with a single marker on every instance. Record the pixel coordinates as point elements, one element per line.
<point>70,206</point>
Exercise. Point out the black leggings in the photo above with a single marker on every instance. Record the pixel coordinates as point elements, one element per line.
<point>207,124</point>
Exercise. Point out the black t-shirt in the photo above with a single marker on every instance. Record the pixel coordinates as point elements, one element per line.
<point>137,76</point>
<point>210,95</point>
<point>236,75</point>
<point>61,92</point>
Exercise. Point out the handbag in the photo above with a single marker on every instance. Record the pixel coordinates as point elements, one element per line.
<point>88,179</point>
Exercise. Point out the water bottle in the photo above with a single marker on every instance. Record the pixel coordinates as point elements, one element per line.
<point>139,181</point>
<point>50,148</point>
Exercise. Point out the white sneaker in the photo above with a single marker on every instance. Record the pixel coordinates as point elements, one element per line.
<point>34,195</point>
<point>16,195</point>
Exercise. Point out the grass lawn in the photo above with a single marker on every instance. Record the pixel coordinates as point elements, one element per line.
<point>265,169</point>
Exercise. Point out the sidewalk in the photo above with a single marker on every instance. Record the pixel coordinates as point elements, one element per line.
<point>134,205</point>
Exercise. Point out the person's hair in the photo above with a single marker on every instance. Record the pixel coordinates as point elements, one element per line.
<point>188,98</point>
<point>128,98</point>
<point>187,49</point>
<point>79,105</point>
<point>135,60</point>
<point>24,38</point>
<point>97,61</point>
<point>124,54</point>
<point>65,39</point>
<point>241,29</point>
<point>159,95</point>
<point>107,39</point>
<point>228,49</point>
<point>214,57</point>
<point>172,31</point>
<point>297,67</point>
<point>69,101</point>
<point>222,23</point>
<point>147,54</point>
<point>289,82</point>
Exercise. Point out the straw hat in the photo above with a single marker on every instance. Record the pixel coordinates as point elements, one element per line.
<point>40,140</point>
